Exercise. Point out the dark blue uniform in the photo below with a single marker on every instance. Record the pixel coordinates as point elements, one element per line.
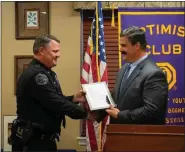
<point>40,100</point>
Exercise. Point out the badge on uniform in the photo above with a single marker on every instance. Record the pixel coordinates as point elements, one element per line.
<point>41,79</point>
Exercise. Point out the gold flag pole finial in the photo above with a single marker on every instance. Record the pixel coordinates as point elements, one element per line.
<point>113,18</point>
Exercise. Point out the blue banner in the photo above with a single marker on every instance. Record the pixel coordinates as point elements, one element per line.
<point>165,36</point>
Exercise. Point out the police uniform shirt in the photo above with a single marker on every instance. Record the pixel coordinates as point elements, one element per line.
<point>40,98</point>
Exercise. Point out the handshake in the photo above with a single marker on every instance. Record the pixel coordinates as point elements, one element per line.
<point>96,115</point>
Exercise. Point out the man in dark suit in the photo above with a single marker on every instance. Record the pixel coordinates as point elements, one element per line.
<point>141,88</point>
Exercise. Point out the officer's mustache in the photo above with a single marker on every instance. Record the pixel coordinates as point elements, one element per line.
<point>123,53</point>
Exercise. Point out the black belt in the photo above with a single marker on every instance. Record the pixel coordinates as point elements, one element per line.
<point>37,133</point>
<point>23,122</point>
<point>48,136</point>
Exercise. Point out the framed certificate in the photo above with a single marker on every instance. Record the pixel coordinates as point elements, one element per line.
<point>98,95</point>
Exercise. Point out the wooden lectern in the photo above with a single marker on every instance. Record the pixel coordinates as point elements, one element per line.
<point>145,138</point>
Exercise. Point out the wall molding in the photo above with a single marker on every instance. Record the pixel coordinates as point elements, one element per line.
<point>108,5</point>
<point>81,141</point>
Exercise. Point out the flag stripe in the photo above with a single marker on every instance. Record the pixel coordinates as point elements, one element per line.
<point>91,132</point>
<point>95,70</point>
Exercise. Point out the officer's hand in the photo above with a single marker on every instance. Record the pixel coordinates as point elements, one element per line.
<point>80,97</point>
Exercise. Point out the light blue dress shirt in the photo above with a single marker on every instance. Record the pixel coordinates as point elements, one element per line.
<point>134,65</point>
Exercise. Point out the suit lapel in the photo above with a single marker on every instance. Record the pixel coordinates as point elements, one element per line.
<point>131,78</point>
<point>118,82</point>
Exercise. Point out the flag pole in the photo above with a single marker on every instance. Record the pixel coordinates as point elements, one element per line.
<point>97,50</point>
<point>97,65</point>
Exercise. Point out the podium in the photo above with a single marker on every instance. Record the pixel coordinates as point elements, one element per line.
<point>145,138</point>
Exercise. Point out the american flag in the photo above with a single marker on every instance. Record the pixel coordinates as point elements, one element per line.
<point>95,70</point>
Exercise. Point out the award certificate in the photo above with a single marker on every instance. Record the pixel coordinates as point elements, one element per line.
<point>98,95</point>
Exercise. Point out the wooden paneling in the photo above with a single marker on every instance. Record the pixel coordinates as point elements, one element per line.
<point>145,138</point>
<point>111,46</point>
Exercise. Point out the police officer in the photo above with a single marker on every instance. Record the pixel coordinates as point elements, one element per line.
<point>41,105</point>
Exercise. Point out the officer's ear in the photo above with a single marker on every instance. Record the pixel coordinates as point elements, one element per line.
<point>41,50</point>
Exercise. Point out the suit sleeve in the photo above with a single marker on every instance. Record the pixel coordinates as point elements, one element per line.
<point>70,98</point>
<point>155,94</point>
<point>44,92</point>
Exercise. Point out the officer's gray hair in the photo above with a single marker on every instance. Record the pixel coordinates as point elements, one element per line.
<point>42,41</point>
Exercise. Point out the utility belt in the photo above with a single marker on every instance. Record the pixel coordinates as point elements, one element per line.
<point>47,136</point>
<point>25,131</point>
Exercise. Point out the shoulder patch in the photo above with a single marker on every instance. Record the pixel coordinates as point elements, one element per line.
<point>41,79</point>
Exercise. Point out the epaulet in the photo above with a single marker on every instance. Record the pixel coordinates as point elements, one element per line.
<point>38,69</point>
<point>35,69</point>
<point>37,66</point>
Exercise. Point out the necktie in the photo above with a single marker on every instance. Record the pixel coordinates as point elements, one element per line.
<point>124,78</point>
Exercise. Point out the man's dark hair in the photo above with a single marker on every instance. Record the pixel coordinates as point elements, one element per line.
<point>135,34</point>
<point>42,41</point>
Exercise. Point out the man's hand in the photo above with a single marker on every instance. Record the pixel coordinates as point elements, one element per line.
<point>113,112</point>
<point>80,97</point>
